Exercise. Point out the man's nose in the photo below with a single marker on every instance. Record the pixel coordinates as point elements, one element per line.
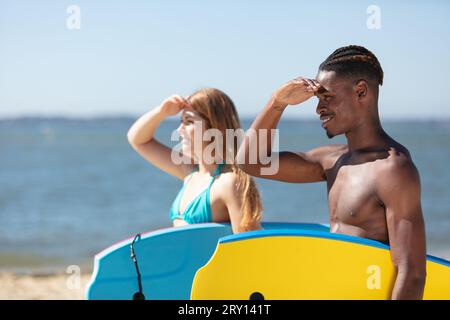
<point>321,108</point>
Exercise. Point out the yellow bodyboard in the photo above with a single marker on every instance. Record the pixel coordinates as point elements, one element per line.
<point>306,265</point>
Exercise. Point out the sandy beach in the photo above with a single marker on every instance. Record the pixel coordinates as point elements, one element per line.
<point>41,286</point>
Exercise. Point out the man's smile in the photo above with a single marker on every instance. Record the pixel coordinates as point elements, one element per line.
<point>325,118</point>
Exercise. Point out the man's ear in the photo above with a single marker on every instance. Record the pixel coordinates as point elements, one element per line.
<point>361,88</point>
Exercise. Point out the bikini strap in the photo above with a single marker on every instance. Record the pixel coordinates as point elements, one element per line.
<point>190,175</point>
<point>216,173</point>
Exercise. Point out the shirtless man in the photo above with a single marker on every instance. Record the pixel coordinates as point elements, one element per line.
<point>373,185</point>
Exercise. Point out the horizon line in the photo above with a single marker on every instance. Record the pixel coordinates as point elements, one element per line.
<point>91,117</point>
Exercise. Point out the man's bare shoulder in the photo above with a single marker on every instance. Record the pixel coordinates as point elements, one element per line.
<point>397,157</point>
<point>326,155</point>
<point>397,169</point>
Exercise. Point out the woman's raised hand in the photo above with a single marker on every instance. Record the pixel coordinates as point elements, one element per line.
<point>173,105</point>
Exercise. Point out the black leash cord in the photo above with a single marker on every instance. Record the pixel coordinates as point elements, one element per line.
<point>138,295</point>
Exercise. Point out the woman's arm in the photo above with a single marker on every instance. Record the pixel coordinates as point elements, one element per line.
<point>231,196</point>
<point>141,138</point>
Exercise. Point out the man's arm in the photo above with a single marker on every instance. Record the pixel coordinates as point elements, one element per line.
<point>399,190</point>
<point>292,167</point>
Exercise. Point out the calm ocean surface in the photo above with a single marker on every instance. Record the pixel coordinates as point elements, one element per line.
<point>69,188</point>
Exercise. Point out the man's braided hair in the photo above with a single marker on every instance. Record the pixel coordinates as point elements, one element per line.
<point>354,61</point>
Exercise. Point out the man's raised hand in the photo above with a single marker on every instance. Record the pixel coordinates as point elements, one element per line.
<point>296,91</point>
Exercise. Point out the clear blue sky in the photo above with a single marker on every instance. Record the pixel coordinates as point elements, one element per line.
<point>129,55</point>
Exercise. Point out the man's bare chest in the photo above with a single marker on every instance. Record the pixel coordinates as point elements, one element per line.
<point>352,194</point>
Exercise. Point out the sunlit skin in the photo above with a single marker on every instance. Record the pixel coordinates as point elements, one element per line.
<point>352,172</point>
<point>225,197</point>
<point>190,123</point>
<point>373,186</point>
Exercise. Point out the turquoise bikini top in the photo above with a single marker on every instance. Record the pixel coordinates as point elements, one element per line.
<point>199,209</point>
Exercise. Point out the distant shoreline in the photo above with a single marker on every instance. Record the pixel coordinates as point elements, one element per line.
<point>115,118</point>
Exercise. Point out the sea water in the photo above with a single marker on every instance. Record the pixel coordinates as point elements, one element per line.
<point>69,188</point>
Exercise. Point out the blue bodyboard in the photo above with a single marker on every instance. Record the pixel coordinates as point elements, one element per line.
<point>168,260</point>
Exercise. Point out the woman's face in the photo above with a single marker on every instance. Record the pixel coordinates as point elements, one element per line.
<point>191,130</point>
